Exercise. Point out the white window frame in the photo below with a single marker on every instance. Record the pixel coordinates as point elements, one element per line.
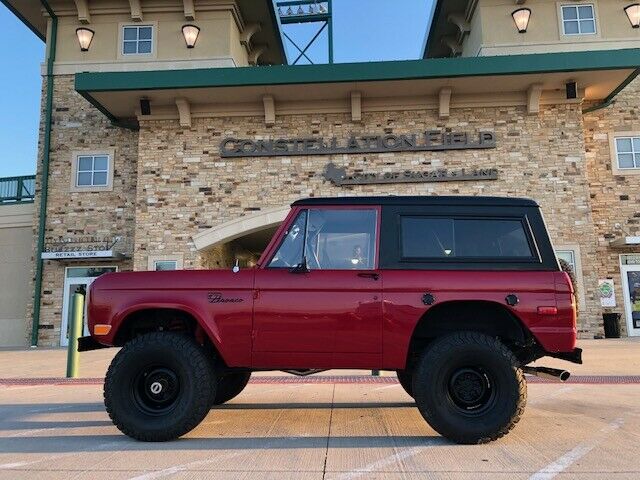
<point>575,249</point>
<point>92,171</point>
<point>156,262</point>
<point>75,163</point>
<point>613,146</point>
<point>632,153</point>
<point>152,260</point>
<point>562,7</point>
<point>154,41</point>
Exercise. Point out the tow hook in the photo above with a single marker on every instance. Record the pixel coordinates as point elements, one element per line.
<point>546,372</point>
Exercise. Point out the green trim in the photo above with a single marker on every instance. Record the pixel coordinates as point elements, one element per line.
<point>28,24</point>
<point>359,72</point>
<point>46,148</point>
<point>330,30</point>
<point>611,98</point>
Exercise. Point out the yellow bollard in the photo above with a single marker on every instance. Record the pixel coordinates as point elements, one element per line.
<point>75,330</point>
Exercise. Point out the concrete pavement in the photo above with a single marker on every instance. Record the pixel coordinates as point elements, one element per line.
<point>329,430</point>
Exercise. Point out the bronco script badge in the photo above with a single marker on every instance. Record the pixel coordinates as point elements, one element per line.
<point>216,297</point>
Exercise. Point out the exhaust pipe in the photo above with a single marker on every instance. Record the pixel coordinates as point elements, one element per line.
<point>549,373</point>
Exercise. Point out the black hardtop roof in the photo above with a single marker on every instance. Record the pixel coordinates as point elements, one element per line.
<point>469,201</point>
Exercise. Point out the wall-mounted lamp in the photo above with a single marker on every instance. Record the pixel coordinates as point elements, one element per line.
<point>521,18</point>
<point>85,36</point>
<point>190,33</point>
<point>633,13</point>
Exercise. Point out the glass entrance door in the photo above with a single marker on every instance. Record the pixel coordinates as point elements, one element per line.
<point>77,279</point>
<point>631,291</point>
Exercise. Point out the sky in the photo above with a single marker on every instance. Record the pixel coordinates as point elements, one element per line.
<point>364,30</point>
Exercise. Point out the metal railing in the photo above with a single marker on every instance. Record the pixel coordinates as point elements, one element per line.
<point>17,189</point>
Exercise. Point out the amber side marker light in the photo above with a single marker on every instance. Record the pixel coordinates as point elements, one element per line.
<point>101,329</point>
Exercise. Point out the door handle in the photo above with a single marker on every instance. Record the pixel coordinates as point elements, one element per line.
<point>374,276</point>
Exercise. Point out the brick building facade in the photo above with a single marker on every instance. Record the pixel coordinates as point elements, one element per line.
<point>170,198</point>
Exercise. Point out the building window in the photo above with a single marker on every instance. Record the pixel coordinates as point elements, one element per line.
<point>92,171</point>
<point>137,39</point>
<point>628,152</point>
<point>568,256</point>
<point>165,265</point>
<point>571,255</point>
<point>578,19</point>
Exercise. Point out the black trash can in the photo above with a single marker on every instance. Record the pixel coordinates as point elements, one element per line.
<point>611,325</point>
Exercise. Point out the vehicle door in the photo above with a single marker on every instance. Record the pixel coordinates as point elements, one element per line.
<point>318,298</point>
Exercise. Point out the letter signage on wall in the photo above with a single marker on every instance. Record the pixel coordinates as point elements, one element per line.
<point>431,140</point>
<point>80,248</point>
<point>339,176</point>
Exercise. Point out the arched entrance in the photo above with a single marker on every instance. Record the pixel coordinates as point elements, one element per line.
<point>243,239</point>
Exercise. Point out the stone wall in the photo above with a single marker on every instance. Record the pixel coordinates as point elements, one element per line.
<point>185,187</point>
<point>615,198</point>
<point>77,125</point>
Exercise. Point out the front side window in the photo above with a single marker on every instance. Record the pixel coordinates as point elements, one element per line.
<point>628,152</point>
<point>341,239</point>
<point>165,265</point>
<point>329,239</point>
<point>441,238</point>
<point>578,19</point>
<point>92,171</point>
<point>137,39</point>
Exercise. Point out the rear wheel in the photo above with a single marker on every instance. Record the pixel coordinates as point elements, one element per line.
<point>230,386</point>
<point>406,380</point>
<point>158,387</point>
<point>469,388</point>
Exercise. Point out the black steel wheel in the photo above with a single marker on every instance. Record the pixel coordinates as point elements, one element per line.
<point>469,388</point>
<point>159,386</point>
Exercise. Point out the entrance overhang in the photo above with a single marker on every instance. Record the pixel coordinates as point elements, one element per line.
<point>240,227</point>
<point>474,81</point>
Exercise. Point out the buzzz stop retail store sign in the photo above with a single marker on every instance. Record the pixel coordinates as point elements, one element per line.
<point>430,140</point>
<point>80,248</point>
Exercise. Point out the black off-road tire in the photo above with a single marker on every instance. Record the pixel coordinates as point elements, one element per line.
<point>174,366</point>
<point>469,388</point>
<point>230,386</point>
<point>406,380</point>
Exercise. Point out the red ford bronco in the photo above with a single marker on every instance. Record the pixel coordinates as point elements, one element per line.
<point>455,294</point>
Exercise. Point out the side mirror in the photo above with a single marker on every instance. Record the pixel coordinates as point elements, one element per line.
<point>301,267</point>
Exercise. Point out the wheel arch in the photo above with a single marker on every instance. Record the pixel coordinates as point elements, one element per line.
<point>149,318</point>
<point>483,316</point>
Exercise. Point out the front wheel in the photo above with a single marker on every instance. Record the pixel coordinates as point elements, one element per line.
<point>158,387</point>
<point>469,388</point>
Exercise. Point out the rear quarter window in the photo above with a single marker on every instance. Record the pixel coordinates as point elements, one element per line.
<point>436,239</point>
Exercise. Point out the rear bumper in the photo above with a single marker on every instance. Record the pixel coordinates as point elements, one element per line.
<point>86,344</point>
<point>574,356</point>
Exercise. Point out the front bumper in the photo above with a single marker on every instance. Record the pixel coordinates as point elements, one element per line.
<point>86,344</point>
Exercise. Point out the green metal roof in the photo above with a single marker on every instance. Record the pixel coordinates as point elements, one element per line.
<point>360,72</point>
